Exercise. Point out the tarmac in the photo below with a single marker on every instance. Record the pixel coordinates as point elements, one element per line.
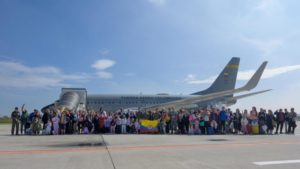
<point>149,151</point>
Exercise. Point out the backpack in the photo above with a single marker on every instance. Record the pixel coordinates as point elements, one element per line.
<point>85,130</point>
<point>202,123</point>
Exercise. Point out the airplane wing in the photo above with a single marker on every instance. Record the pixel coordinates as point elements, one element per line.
<point>252,83</point>
<point>233,100</point>
<point>249,94</point>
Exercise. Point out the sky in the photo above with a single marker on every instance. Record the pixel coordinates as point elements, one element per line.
<point>146,46</point>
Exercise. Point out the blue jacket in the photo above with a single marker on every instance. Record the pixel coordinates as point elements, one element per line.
<point>223,115</point>
<point>31,116</point>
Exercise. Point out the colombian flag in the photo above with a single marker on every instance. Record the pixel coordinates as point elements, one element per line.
<point>149,126</point>
<point>232,66</point>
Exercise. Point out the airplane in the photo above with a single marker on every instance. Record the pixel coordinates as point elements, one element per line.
<point>221,92</point>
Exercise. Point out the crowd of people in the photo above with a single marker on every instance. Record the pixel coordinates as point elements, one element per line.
<point>170,121</point>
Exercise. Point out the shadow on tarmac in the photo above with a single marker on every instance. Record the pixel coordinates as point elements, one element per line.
<point>79,144</point>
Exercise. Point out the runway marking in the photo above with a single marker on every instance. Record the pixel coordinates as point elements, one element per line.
<point>277,162</point>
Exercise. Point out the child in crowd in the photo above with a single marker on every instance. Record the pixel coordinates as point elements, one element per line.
<point>47,130</point>
<point>137,126</point>
<point>85,130</point>
<point>113,125</point>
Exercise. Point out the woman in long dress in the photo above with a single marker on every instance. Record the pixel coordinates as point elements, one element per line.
<point>245,122</point>
<point>55,122</point>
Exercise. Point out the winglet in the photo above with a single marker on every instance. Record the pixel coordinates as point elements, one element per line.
<point>252,83</point>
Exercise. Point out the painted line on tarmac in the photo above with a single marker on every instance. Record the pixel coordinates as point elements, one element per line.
<point>262,163</point>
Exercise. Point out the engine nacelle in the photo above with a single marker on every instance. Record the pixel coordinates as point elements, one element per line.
<point>68,100</point>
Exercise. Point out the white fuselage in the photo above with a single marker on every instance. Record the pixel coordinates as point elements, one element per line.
<point>116,102</point>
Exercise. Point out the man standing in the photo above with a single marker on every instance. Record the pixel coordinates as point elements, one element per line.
<point>292,125</point>
<point>287,120</point>
<point>280,120</point>
<point>261,120</point>
<point>15,116</point>
<point>24,119</point>
<point>173,121</point>
<point>214,119</point>
<point>223,118</point>
<point>46,118</point>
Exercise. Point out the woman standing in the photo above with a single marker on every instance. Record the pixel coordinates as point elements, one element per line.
<point>245,122</point>
<point>270,120</point>
<point>55,123</point>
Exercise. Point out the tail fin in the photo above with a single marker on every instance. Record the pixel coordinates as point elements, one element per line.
<point>226,80</point>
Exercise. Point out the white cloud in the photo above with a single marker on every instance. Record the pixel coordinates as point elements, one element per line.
<point>158,2</point>
<point>269,6</point>
<point>268,73</point>
<point>103,64</point>
<point>104,75</point>
<point>14,74</point>
<point>192,79</point>
<point>245,75</point>
<point>265,46</point>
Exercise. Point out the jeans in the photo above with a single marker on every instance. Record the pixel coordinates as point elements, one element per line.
<point>279,123</point>
<point>23,127</point>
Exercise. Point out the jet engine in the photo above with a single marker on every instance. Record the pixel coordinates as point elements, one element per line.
<point>68,100</point>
